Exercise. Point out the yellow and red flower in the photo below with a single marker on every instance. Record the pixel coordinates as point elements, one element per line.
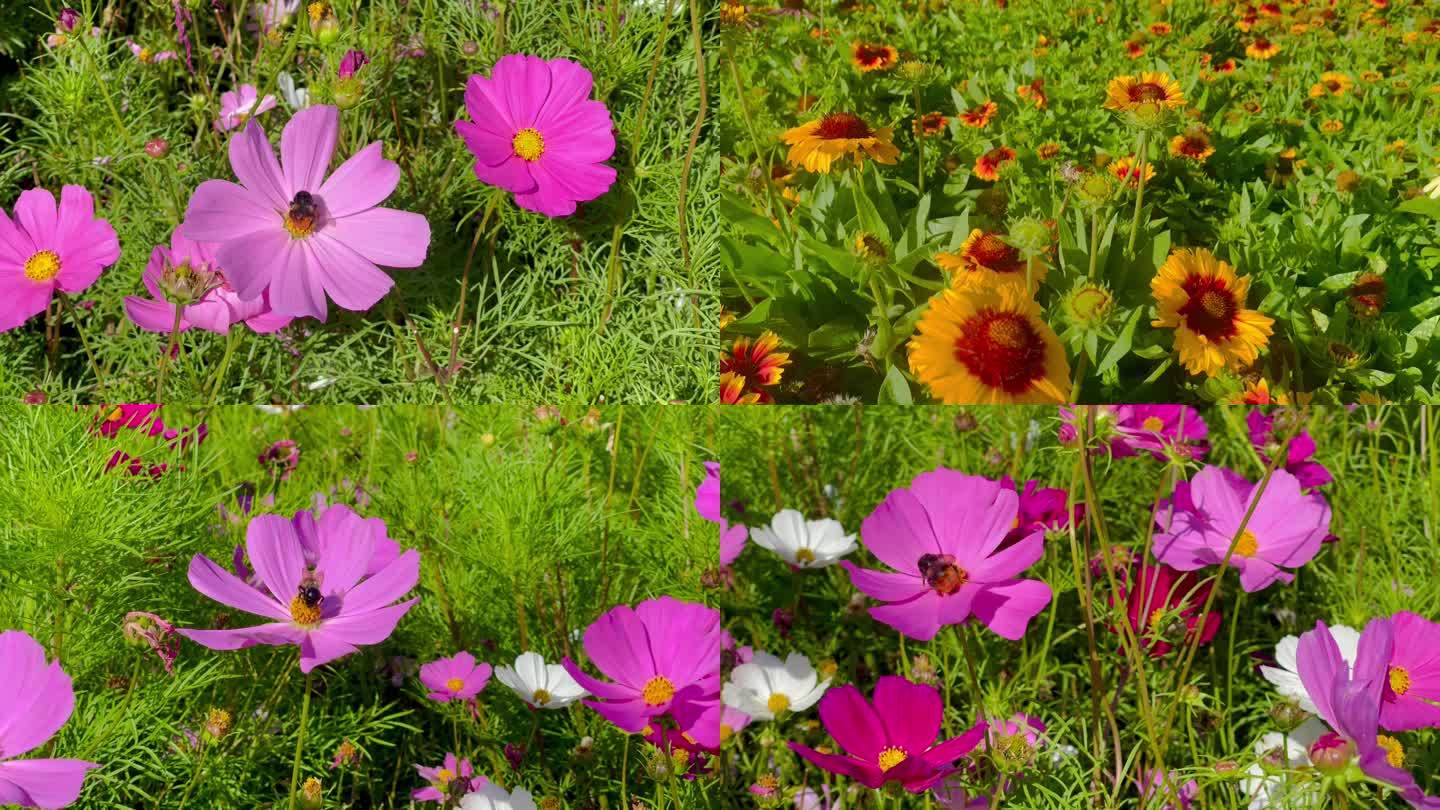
<point>1203,300</point>
<point>988,346</point>
<point>1332,126</point>
<point>817,144</point>
<point>1262,48</point>
<point>1148,90</point>
<point>1134,48</point>
<point>988,165</point>
<point>930,124</point>
<point>870,57</point>
<point>1332,83</point>
<point>986,260</point>
<point>732,390</point>
<point>1194,145</point>
<point>1258,393</point>
<point>978,116</point>
<point>756,363</point>
<point>1034,92</point>
<point>1047,150</point>
<point>1160,29</point>
<point>1127,170</point>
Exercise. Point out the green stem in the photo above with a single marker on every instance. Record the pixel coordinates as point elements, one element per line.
<point>1141,154</point>
<point>625,774</point>
<point>80,330</point>
<point>232,340</point>
<point>300,744</point>
<point>1094,241</point>
<point>169,350</point>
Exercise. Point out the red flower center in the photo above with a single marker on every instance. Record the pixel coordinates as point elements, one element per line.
<point>1002,350</point>
<point>1211,309</point>
<point>1194,145</point>
<point>871,54</point>
<point>837,126</point>
<point>1147,91</point>
<point>991,252</point>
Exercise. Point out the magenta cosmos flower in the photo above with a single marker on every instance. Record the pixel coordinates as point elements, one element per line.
<point>329,608</point>
<point>944,536</point>
<point>442,780</point>
<point>707,503</point>
<point>1155,595</point>
<point>1266,440</point>
<point>1285,530</point>
<point>288,229</point>
<point>535,132</point>
<point>892,740</point>
<point>1410,698</point>
<point>663,657</point>
<point>188,271</point>
<point>1349,699</point>
<point>38,700</point>
<point>239,106</point>
<point>455,677</point>
<point>47,248</point>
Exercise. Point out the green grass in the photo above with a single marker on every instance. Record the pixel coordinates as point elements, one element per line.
<point>840,463</point>
<point>523,541</point>
<point>610,305</point>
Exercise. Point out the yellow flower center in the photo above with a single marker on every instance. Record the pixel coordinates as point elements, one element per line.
<point>658,690</point>
<point>891,757</point>
<point>454,684</point>
<point>1394,751</point>
<point>1399,680</point>
<point>43,266</point>
<point>778,703</point>
<point>804,555</point>
<point>1156,615</point>
<point>299,226</point>
<point>528,144</point>
<point>541,697</point>
<point>317,11</point>
<point>303,614</point>
<point>444,777</point>
<point>726,732</point>
<point>1246,545</point>
<point>1153,423</point>
<point>145,55</point>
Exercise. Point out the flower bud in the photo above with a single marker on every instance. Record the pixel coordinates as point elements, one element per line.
<point>1331,754</point>
<point>312,794</point>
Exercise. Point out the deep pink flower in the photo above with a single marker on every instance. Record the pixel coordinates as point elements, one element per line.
<point>1348,699</point>
<point>1410,698</point>
<point>1154,593</point>
<point>891,741</point>
<point>187,270</point>
<point>316,529</point>
<point>351,63</point>
<point>69,18</point>
<point>288,229</point>
<point>155,633</point>
<point>442,778</point>
<point>239,106</point>
<point>1285,530</point>
<point>38,699</point>
<point>280,459</point>
<point>1310,474</point>
<point>707,503</point>
<point>1042,509</point>
<point>1160,430</point>
<point>535,132</point>
<point>48,248</point>
<point>455,677</point>
<point>663,657</point>
<point>943,537</point>
<point>328,609</point>
<point>114,418</point>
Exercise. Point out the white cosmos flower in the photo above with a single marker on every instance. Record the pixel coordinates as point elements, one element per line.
<point>1284,751</point>
<point>541,686</point>
<point>493,797</point>
<point>804,543</point>
<point>765,686</point>
<point>297,98</point>
<point>1286,676</point>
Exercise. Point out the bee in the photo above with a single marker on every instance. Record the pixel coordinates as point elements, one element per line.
<point>941,573</point>
<point>302,212</point>
<point>310,585</point>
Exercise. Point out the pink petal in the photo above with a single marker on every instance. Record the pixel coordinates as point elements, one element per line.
<point>371,627</point>
<point>619,646</point>
<point>595,686</point>
<point>487,109</point>
<point>868,775</point>
<point>82,236</point>
<point>918,618</point>
<point>561,185</point>
<point>490,148</point>
<point>21,299</point>
<point>266,105</point>
<point>361,182</point>
<point>44,783</point>
<point>152,315</point>
<point>39,696</point>
<point>275,554</point>
<point>276,634</point>
<point>1009,562</point>
<point>35,211</point>
<point>570,84</point>
<point>306,146</point>
<point>16,247</point>
<point>854,724</point>
<point>347,545</point>
<point>385,236</point>
<point>221,211</point>
<point>254,163</point>
<point>297,287</point>
<point>1007,609</point>
<point>210,314</point>
<point>523,82</point>
<point>211,579</point>
<point>350,279</point>
<point>318,649</point>
<point>884,585</point>
<point>512,174</point>
<point>582,134</point>
<point>910,712</point>
<point>268,322</point>
<point>390,584</point>
<point>155,268</point>
<point>632,715</point>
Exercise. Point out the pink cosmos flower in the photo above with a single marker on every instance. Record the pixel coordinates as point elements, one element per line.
<point>351,63</point>
<point>663,657</point>
<point>328,609</point>
<point>112,419</point>
<point>237,107</point>
<point>1348,699</point>
<point>707,503</point>
<point>188,271</point>
<point>321,527</point>
<point>455,677</point>
<point>892,740</point>
<point>535,132</point>
<point>442,778</point>
<point>1042,509</point>
<point>1410,698</point>
<point>1156,594</point>
<point>1285,530</point>
<point>1153,788</point>
<point>1160,430</point>
<point>288,229</point>
<point>1266,440</point>
<point>148,56</point>
<point>45,249</point>
<point>38,700</point>
<point>943,536</point>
